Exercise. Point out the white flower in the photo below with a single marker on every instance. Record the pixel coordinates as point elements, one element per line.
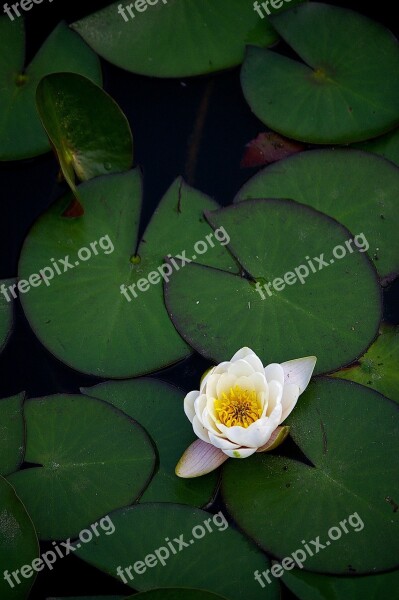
<point>239,409</point>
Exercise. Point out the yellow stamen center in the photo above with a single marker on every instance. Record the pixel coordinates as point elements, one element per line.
<point>238,407</point>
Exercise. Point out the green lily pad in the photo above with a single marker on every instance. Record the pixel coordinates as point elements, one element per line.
<point>18,545</point>
<point>158,407</point>
<point>177,594</point>
<point>176,38</point>
<point>378,368</point>
<point>85,450</point>
<point>87,129</point>
<point>12,434</point>
<point>21,132</point>
<point>386,146</point>
<point>326,316</point>
<point>222,561</point>
<point>6,312</point>
<point>342,92</point>
<point>90,598</point>
<point>83,317</point>
<point>312,586</point>
<point>356,188</point>
<point>350,435</point>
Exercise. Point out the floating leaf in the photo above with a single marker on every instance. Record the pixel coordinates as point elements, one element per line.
<point>386,146</point>
<point>18,545</point>
<point>312,586</point>
<point>84,449</point>
<point>321,315</point>
<point>158,407</point>
<point>86,127</point>
<point>378,368</point>
<point>356,188</point>
<point>342,92</point>
<point>192,37</point>
<point>222,561</point>
<point>267,148</point>
<point>12,434</point>
<point>350,435</point>
<point>134,335</point>
<point>21,132</point>
<point>176,594</point>
<point>6,312</point>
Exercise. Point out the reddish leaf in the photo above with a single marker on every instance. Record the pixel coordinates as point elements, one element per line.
<point>267,148</point>
<point>75,209</point>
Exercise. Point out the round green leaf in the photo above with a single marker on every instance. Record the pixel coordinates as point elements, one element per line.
<point>88,130</point>
<point>378,368</point>
<point>386,146</point>
<point>83,317</point>
<point>6,312</point>
<point>350,435</point>
<point>18,544</point>
<point>326,316</point>
<point>21,132</point>
<point>222,561</point>
<point>91,459</point>
<point>176,594</point>
<point>158,407</point>
<point>176,38</point>
<point>356,188</point>
<point>12,434</point>
<point>343,91</point>
<point>312,586</point>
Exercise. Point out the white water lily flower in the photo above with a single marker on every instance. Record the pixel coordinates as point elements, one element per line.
<point>239,409</point>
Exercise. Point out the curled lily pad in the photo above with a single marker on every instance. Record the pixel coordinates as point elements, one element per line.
<point>12,434</point>
<point>134,335</point>
<point>378,368</point>
<point>356,188</point>
<point>176,38</point>
<point>309,312</point>
<point>158,407</point>
<point>83,448</point>
<point>342,92</point>
<point>18,545</point>
<point>87,129</point>
<point>21,132</point>
<point>343,500</point>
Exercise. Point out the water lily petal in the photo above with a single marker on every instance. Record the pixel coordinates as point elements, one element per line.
<point>255,363</point>
<point>240,368</point>
<point>199,430</point>
<point>278,436</point>
<point>199,405</point>
<point>240,453</point>
<point>210,389</point>
<point>189,404</point>
<point>253,436</point>
<point>274,372</point>
<point>242,354</point>
<point>199,459</point>
<point>226,381</point>
<point>204,379</point>
<point>299,371</point>
<point>222,443</point>
<point>275,395</point>
<point>210,423</point>
<point>289,399</point>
